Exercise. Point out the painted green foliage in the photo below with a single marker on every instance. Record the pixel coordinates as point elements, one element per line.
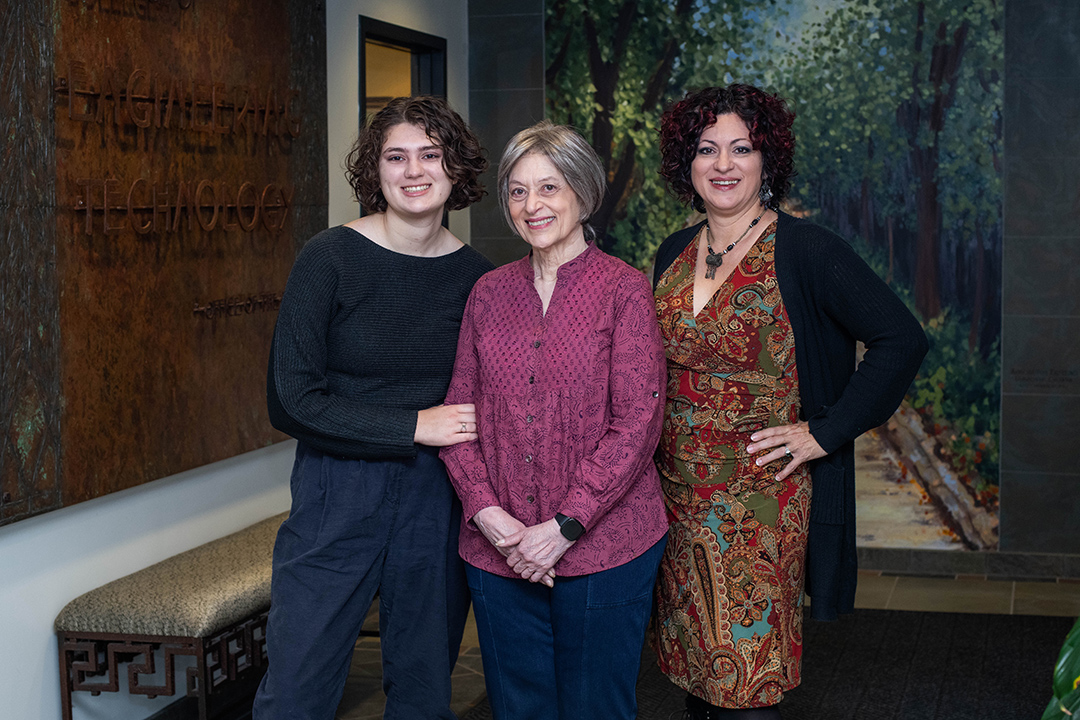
<point>612,67</point>
<point>899,129</point>
<point>898,125</point>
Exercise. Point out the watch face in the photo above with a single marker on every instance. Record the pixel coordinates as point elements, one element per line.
<point>571,528</point>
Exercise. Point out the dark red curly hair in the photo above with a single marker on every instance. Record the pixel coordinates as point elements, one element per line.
<point>767,117</point>
<point>463,158</point>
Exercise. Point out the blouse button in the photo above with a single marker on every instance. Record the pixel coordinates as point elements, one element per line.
<point>528,458</point>
<point>530,498</point>
<point>531,378</point>
<point>536,344</point>
<point>529,419</point>
<point>655,394</point>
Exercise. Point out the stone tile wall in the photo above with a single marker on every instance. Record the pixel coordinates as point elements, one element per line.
<point>506,94</point>
<point>1040,453</point>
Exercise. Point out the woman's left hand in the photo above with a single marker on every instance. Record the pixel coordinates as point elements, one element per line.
<point>786,440</point>
<point>539,547</point>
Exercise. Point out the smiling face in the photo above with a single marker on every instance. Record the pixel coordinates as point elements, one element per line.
<point>411,173</point>
<point>726,171</point>
<point>545,210</point>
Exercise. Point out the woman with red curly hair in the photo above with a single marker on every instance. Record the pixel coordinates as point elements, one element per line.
<point>361,360</point>
<point>759,312</point>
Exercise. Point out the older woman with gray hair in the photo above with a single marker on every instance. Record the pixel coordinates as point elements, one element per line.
<point>563,525</point>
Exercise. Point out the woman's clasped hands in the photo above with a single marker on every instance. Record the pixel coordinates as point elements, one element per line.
<point>531,552</point>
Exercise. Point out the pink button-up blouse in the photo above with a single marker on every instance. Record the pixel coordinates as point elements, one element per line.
<point>569,407</point>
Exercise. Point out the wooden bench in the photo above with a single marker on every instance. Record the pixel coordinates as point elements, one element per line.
<point>209,603</point>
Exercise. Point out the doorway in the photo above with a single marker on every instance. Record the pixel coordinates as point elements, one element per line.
<point>396,61</point>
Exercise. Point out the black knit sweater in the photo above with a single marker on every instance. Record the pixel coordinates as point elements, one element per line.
<point>833,299</point>
<point>365,337</point>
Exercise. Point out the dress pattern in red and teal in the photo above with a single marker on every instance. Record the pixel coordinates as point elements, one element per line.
<point>728,626</point>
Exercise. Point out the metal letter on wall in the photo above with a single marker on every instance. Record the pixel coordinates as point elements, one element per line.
<point>157,209</point>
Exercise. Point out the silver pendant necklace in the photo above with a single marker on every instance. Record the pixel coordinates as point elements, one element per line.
<point>716,259</point>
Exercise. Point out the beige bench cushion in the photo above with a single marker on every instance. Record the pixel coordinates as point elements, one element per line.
<point>193,594</point>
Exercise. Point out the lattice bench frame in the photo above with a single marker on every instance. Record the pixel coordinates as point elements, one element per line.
<point>220,659</point>
<point>91,651</point>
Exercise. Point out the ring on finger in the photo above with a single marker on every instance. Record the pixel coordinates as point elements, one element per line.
<point>464,428</point>
<point>787,451</point>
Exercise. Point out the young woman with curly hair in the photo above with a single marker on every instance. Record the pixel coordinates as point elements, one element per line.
<point>361,359</point>
<point>759,313</point>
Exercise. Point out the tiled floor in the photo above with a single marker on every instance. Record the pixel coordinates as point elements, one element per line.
<point>364,699</point>
<point>973,594</point>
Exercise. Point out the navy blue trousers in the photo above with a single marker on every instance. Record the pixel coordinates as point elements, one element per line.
<point>358,527</point>
<point>572,651</point>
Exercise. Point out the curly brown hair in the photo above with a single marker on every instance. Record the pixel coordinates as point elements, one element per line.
<point>463,158</point>
<point>767,117</point>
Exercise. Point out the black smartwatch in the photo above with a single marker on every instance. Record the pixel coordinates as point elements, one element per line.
<point>569,527</point>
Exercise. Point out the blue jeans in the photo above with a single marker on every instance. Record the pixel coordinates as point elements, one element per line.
<point>572,651</point>
<point>358,527</point>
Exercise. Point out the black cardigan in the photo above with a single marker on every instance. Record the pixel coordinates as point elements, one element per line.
<point>833,298</point>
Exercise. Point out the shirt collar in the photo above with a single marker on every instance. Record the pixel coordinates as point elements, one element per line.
<point>567,270</point>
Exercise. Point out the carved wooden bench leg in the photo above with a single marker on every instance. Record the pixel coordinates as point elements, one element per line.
<point>235,653</point>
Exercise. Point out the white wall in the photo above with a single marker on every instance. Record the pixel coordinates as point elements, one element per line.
<point>443,18</point>
<point>48,560</point>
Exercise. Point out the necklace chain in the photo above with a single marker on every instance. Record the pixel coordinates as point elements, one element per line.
<point>716,259</point>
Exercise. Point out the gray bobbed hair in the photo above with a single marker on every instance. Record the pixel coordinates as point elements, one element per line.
<point>570,155</point>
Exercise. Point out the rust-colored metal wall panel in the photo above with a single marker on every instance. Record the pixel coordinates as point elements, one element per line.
<point>29,337</point>
<point>190,141</point>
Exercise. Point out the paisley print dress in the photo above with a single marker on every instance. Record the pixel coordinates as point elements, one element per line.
<point>728,626</point>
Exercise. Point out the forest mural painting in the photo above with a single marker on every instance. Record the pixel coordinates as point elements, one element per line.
<point>899,106</point>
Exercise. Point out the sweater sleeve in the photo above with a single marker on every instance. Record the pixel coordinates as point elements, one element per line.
<point>636,397</point>
<point>856,299</point>
<point>298,396</point>
<point>465,461</point>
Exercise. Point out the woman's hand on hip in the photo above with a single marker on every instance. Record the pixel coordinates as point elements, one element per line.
<point>794,441</point>
<point>498,526</point>
<point>444,425</point>
<point>538,549</point>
